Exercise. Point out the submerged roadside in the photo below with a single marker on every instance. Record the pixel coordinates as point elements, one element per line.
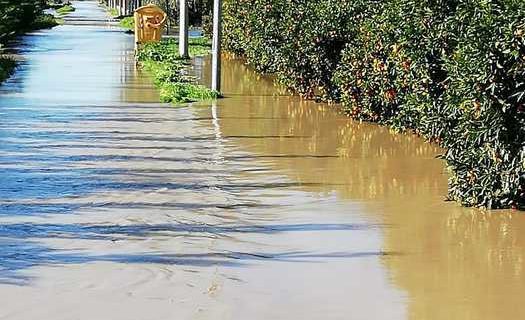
<point>170,70</point>
<point>447,71</point>
<point>19,17</point>
<point>161,60</point>
<point>258,206</point>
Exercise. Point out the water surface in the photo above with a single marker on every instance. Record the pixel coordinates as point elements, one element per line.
<point>258,206</point>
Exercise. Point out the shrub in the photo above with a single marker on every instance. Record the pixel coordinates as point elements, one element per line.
<point>298,41</point>
<point>45,21</point>
<point>450,70</point>
<point>486,88</point>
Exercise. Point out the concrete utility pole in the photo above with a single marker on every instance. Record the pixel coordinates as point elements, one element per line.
<point>183,29</point>
<point>216,46</point>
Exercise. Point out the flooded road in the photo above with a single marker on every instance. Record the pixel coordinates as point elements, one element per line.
<point>259,206</point>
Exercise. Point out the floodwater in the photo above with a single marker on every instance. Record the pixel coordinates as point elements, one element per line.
<point>259,206</point>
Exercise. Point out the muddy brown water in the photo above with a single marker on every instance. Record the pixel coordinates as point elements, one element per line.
<point>258,206</point>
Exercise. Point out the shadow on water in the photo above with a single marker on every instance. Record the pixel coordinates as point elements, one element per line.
<point>262,176</point>
<point>35,208</point>
<point>20,249</point>
<point>121,152</point>
<point>458,263</point>
<point>37,255</point>
<point>93,173</point>
<point>116,232</point>
<point>21,185</point>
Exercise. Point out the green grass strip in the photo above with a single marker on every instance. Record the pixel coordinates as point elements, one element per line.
<point>168,69</point>
<point>65,10</point>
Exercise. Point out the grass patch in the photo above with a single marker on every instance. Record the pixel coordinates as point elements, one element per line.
<point>169,70</point>
<point>182,92</point>
<point>7,67</point>
<point>65,9</point>
<point>199,47</point>
<point>127,23</point>
<point>56,5</point>
<point>112,12</point>
<point>45,21</point>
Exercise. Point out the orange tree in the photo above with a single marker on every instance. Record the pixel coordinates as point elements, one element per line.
<point>450,70</point>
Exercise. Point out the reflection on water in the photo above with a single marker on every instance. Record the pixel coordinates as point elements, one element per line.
<point>363,160</point>
<point>258,206</point>
<point>109,202</point>
<point>59,68</point>
<point>456,263</point>
<point>464,264</point>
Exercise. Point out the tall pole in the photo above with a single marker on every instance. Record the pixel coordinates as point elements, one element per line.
<point>183,29</point>
<point>216,46</point>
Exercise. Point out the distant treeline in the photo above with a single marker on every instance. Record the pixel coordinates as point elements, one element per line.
<point>452,71</point>
<point>18,15</point>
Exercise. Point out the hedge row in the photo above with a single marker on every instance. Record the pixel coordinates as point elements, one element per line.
<point>450,70</point>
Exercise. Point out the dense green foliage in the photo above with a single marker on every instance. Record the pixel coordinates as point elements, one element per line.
<point>196,9</point>
<point>18,15</point>
<point>45,21</point>
<point>450,70</point>
<point>169,70</point>
<point>6,68</point>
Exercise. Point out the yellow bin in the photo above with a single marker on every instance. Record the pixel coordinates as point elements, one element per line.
<point>149,23</point>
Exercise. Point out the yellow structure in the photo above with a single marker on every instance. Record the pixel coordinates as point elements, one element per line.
<point>149,23</point>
